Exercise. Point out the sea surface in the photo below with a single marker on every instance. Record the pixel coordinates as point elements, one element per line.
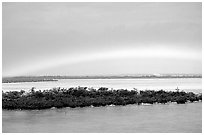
<point>157,118</point>
<point>186,84</point>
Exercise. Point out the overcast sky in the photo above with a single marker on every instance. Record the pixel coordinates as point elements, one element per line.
<point>101,38</point>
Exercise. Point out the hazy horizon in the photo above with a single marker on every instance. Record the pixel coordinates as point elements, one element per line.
<point>108,75</point>
<point>80,39</point>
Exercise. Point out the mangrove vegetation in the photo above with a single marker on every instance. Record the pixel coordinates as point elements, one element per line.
<point>83,97</point>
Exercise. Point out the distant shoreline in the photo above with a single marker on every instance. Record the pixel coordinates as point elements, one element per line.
<point>55,78</point>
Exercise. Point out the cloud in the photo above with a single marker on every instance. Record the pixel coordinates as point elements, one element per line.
<point>39,36</point>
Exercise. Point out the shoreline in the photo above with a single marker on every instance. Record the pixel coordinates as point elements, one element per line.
<point>56,78</point>
<point>142,104</point>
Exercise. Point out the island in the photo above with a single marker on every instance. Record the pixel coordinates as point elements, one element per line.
<point>84,97</point>
<point>17,79</point>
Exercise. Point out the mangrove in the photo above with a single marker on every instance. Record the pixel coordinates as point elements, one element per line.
<point>84,97</point>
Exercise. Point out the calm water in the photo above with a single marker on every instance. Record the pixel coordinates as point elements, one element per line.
<point>131,118</point>
<point>187,84</point>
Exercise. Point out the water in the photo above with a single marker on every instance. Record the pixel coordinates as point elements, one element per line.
<point>170,118</point>
<point>186,84</point>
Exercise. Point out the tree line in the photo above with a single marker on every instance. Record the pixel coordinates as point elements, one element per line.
<point>83,96</point>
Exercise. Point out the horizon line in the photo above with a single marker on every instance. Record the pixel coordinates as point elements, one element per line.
<point>115,75</point>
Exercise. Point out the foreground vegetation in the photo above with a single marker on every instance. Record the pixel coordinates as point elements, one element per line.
<point>83,96</point>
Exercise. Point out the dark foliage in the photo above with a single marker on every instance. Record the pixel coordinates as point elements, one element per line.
<point>82,97</point>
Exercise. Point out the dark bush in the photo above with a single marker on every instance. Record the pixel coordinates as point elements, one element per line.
<point>81,97</point>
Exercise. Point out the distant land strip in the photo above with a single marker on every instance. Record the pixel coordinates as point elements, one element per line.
<point>55,78</point>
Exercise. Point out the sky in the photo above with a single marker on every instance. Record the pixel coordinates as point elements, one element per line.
<point>101,38</point>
